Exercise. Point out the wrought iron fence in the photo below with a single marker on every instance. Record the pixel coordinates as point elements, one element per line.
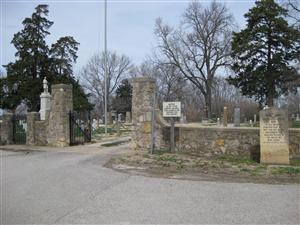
<point>19,128</point>
<point>80,127</point>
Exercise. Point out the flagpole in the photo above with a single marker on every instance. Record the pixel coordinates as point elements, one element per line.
<point>105,66</point>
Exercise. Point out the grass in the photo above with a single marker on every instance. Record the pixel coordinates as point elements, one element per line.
<point>285,170</point>
<point>295,162</point>
<point>260,169</point>
<point>296,124</point>
<point>111,129</point>
<point>236,159</point>
<point>164,160</point>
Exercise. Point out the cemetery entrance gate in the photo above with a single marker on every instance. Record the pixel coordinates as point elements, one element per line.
<point>80,127</point>
<point>19,128</point>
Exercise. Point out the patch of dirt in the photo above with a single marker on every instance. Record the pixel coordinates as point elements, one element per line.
<point>225,168</point>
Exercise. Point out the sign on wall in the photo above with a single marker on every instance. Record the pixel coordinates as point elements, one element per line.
<point>171,109</point>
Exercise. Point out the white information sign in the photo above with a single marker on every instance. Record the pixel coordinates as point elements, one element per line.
<point>171,109</point>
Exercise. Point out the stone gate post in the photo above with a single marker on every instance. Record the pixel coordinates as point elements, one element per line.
<point>142,109</point>
<point>59,124</point>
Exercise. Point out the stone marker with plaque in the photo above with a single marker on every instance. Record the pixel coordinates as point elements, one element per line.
<point>274,136</point>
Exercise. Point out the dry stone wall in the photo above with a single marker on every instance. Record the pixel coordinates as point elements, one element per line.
<point>6,129</point>
<point>210,141</point>
<point>206,141</point>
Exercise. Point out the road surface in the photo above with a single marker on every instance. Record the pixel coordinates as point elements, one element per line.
<point>63,187</point>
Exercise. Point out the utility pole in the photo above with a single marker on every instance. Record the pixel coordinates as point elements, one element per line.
<point>105,66</point>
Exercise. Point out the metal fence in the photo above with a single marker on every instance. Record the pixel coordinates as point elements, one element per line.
<point>80,127</point>
<point>19,128</point>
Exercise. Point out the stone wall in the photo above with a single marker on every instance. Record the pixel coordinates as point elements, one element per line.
<point>54,130</point>
<point>216,141</point>
<point>36,130</point>
<point>194,139</point>
<point>6,129</point>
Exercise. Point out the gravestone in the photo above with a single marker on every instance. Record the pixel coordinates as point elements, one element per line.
<point>218,122</point>
<point>274,136</point>
<point>255,118</point>
<point>128,117</point>
<point>225,117</point>
<point>250,123</point>
<point>237,114</point>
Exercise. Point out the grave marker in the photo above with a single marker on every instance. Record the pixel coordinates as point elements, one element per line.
<point>274,136</point>
<point>237,114</point>
<point>225,117</point>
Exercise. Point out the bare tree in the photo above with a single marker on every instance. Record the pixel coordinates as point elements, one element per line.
<point>224,94</point>
<point>169,81</point>
<point>92,75</point>
<point>200,46</point>
<point>293,7</point>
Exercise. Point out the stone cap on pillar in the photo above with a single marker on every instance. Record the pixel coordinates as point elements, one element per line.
<point>143,79</point>
<point>61,86</point>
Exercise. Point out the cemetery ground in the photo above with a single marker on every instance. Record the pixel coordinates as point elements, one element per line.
<point>44,185</point>
<point>226,168</point>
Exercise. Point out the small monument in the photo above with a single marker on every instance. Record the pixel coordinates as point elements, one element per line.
<point>45,100</point>
<point>274,136</point>
<point>182,118</point>
<point>225,117</point>
<point>237,113</point>
<point>255,118</point>
<point>251,123</point>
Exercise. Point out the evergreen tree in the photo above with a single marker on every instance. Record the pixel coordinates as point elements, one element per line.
<point>63,53</point>
<point>34,61</point>
<point>265,53</point>
<point>122,101</point>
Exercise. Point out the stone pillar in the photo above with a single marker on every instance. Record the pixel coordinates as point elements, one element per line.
<point>59,124</point>
<point>128,117</point>
<point>32,117</point>
<point>225,117</point>
<point>274,136</point>
<point>237,116</point>
<point>6,132</point>
<point>142,109</point>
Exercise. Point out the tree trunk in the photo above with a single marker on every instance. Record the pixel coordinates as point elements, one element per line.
<point>207,99</point>
<point>270,98</point>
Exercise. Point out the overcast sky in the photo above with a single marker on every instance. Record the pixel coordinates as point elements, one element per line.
<point>130,24</point>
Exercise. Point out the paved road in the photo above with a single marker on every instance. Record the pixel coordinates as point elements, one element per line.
<point>48,187</point>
